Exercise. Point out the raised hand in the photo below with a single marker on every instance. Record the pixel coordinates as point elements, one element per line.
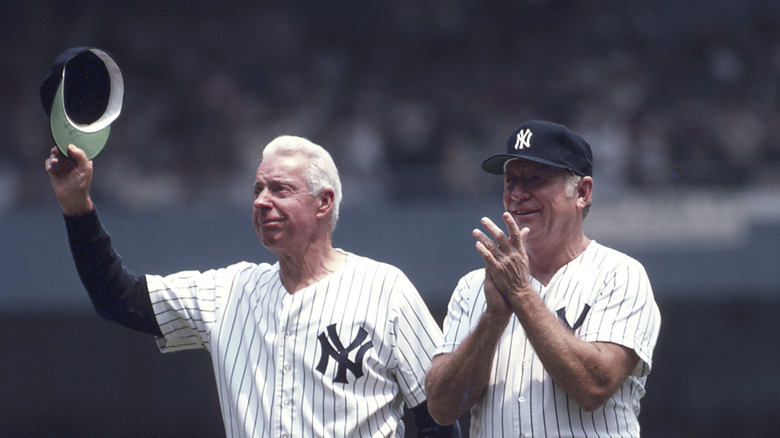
<point>506,260</point>
<point>71,179</point>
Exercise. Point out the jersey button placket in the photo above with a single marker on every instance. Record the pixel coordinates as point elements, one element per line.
<point>524,412</point>
<point>285,355</point>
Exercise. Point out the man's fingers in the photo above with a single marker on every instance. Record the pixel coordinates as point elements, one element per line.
<point>516,235</point>
<point>484,244</point>
<point>53,158</point>
<point>57,163</point>
<point>60,163</point>
<point>524,233</point>
<point>78,155</point>
<point>501,239</point>
<point>512,229</point>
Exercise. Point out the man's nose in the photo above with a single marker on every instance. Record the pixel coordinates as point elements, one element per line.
<point>519,192</point>
<point>261,199</point>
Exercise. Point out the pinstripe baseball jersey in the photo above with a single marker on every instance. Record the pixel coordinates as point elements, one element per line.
<point>336,359</point>
<point>602,295</point>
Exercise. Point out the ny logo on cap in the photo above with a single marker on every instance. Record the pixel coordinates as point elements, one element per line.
<point>523,139</point>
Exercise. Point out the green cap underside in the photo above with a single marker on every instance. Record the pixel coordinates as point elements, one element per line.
<point>64,133</point>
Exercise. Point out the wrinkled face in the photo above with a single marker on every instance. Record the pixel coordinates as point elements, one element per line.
<point>284,212</point>
<point>535,195</point>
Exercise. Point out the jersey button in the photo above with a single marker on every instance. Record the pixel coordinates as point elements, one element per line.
<point>521,399</point>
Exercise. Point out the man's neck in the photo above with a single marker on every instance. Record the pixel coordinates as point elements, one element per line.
<point>302,270</point>
<point>546,261</point>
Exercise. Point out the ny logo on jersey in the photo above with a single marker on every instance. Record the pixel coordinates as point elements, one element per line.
<point>562,316</point>
<point>333,348</point>
<point>523,139</point>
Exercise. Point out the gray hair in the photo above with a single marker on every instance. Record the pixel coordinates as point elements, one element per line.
<point>320,175</point>
<point>572,181</point>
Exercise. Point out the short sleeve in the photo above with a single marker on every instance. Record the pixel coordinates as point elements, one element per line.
<point>464,310</point>
<point>186,303</point>
<point>417,337</point>
<point>625,313</point>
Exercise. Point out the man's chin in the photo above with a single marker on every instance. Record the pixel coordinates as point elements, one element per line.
<point>268,238</point>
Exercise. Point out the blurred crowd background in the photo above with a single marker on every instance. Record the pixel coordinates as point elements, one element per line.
<point>408,96</point>
<point>679,99</point>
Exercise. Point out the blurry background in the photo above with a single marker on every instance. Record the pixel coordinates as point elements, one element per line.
<point>680,101</point>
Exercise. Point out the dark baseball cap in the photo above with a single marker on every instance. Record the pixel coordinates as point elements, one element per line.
<point>82,95</point>
<point>547,143</point>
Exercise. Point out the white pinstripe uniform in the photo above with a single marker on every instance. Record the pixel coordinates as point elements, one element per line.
<point>336,359</point>
<point>521,398</point>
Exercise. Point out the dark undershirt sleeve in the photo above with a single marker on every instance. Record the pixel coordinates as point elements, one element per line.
<point>427,427</point>
<point>116,293</point>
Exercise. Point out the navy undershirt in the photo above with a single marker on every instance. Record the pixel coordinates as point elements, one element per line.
<point>116,293</point>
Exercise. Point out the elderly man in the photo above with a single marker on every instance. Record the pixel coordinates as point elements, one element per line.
<point>554,337</point>
<point>323,343</point>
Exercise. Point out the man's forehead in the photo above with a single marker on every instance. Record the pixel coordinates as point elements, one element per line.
<point>281,168</point>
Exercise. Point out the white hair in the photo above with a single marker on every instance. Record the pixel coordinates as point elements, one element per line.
<point>320,175</point>
<point>572,182</point>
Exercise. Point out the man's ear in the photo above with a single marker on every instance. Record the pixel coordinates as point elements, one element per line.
<point>325,202</point>
<point>584,191</point>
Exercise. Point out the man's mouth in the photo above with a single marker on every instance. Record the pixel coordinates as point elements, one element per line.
<point>522,213</point>
<point>270,222</point>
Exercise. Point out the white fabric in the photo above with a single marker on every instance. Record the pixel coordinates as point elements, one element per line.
<point>521,398</point>
<point>266,346</point>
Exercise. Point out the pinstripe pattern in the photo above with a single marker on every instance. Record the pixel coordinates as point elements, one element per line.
<point>521,399</point>
<point>265,348</point>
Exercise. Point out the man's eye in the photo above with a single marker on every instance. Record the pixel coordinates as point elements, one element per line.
<point>535,181</point>
<point>281,190</point>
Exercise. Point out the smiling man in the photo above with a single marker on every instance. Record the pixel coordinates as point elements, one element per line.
<point>322,343</point>
<point>554,337</point>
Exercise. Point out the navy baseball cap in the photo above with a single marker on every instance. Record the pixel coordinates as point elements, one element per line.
<point>547,143</point>
<point>82,95</point>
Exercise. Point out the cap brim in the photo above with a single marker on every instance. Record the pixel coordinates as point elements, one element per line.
<point>65,133</point>
<point>495,164</point>
<point>73,128</point>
